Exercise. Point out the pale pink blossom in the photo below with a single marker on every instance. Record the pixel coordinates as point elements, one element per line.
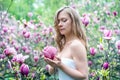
<point>100,46</point>
<point>5,29</point>
<point>107,34</point>
<point>27,51</point>
<point>117,44</point>
<point>117,31</point>
<point>19,58</point>
<point>24,48</point>
<point>27,35</point>
<point>85,20</point>
<point>30,14</point>
<point>102,28</point>
<point>108,12</point>
<point>118,51</point>
<point>10,51</point>
<point>93,51</point>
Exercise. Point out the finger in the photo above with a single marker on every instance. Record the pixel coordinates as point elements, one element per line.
<point>45,59</point>
<point>50,60</point>
<point>58,58</point>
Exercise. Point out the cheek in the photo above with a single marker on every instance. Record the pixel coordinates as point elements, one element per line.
<point>68,24</point>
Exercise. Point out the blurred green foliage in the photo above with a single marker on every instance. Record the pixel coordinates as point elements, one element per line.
<point>47,8</point>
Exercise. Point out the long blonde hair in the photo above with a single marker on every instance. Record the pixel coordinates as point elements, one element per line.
<point>76,27</point>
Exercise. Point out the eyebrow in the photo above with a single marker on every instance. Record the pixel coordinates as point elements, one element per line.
<point>62,18</point>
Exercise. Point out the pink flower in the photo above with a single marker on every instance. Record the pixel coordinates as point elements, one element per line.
<point>108,12</point>
<point>19,58</point>
<point>2,44</point>
<point>102,28</point>
<point>45,31</point>
<point>118,51</point>
<point>93,51</point>
<point>93,74</point>
<point>107,34</point>
<point>33,75</point>
<point>5,29</point>
<point>117,44</point>
<point>27,51</point>
<point>90,63</point>
<point>23,32</point>
<point>117,31</point>
<point>10,51</point>
<point>105,65</point>
<point>85,20</point>
<point>2,56</point>
<point>24,69</point>
<point>27,35</point>
<point>49,52</point>
<point>47,67</point>
<point>24,48</point>
<point>30,14</point>
<point>17,48</point>
<point>100,46</point>
<point>115,13</point>
<point>36,58</point>
<point>50,29</point>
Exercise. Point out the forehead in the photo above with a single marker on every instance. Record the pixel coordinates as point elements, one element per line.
<point>63,14</point>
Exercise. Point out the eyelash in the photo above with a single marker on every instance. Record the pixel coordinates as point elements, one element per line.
<point>64,20</point>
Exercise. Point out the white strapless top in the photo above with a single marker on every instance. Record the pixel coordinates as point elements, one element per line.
<point>70,63</point>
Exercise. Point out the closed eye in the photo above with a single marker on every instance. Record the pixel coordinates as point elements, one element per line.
<point>64,20</point>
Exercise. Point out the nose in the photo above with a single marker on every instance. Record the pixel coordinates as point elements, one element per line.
<point>60,24</point>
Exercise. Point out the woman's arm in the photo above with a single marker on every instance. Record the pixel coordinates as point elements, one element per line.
<point>80,59</point>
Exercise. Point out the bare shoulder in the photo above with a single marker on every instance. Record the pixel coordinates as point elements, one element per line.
<point>77,44</point>
<point>78,48</point>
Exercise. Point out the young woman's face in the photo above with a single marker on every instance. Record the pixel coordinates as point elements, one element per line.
<point>65,23</point>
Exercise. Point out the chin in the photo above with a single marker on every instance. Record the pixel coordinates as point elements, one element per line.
<point>62,33</point>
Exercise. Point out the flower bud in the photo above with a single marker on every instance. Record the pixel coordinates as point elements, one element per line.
<point>24,69</point>
<point>93,51</point>
<point>105,65</point>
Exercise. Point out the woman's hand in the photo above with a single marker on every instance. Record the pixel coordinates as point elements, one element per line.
<point>56,62</point>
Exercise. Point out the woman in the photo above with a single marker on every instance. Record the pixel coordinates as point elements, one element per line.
<point>71,60</point>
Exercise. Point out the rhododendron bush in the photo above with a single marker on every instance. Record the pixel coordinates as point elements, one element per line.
<point>24,43</point>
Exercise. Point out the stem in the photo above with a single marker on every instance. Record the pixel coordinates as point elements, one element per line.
<point>104,78</point>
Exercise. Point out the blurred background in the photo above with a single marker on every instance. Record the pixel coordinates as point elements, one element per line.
<point>26,27</point>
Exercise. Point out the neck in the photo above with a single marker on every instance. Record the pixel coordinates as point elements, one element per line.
<point>69,38</point>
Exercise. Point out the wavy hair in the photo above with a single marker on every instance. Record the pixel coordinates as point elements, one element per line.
<point>77,30</point>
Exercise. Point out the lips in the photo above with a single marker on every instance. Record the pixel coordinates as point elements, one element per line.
<point>62,29</point>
